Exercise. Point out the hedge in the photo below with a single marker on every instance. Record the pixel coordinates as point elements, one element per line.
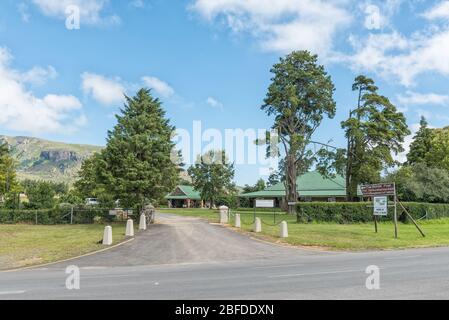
<point>53,216</point>
<point>362,212</point>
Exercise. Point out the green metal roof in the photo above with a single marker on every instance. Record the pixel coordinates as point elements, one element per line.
<point>183,193</point>
<point>311,184</point>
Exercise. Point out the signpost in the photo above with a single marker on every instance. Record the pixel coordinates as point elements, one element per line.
<point>380,193</point>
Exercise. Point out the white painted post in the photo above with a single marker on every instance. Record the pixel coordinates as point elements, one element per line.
<point>284,230</point>
<point>129,228</point>
<point>257,225</point>
<point>223,212</point>
<point>238,223</point>
<point>107,236</point>
<point>143,222</point>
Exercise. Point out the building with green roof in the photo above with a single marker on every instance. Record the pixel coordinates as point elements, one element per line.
<point>184,197</point>
<point>311,186</point>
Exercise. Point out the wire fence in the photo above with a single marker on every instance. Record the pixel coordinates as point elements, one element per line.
<point>66,215</point>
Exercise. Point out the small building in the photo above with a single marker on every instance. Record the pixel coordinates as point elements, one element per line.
<point>311,186</point>
<point>184,197</point>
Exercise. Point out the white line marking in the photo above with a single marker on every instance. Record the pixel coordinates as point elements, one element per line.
<point>279,266</point>
<point>314,274</point>
<point>403,257</point>
<point>6,293</point>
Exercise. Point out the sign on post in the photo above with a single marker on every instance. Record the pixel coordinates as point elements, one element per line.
<point>380,189</point>
<point>381,206</point>
<point>264,203</point>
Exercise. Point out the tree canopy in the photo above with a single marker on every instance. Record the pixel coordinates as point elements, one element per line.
<point>299,97</point>
<point>212,175</point>
<point>375,130</point>
<point>136,166</point>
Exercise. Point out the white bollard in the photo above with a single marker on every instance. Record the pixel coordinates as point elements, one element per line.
<point>107,236</point>
<point>284,230</point>
<point>223,212</point>
<point>129,228</point>
<point>143,222</point>
<point>257,225</point>
<point>238,223</point>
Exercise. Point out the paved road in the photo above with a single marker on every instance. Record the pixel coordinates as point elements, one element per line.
<point>186,258</point>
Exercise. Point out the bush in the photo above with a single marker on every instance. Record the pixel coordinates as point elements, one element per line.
<point>362,212</point>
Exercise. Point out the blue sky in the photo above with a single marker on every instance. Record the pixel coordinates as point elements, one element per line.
<point>209,60</point>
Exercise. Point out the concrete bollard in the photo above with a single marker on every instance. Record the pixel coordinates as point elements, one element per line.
<point>238,222</point>
<point>257,225</point>
<point>223,212</point>
<point>143,222</point>
<point>129,228</point>
<point>107,236</point>
<point>284,230</point>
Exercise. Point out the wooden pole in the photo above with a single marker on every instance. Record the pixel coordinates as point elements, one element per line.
<point>413,220</point>
<point>375,224</point>
<point>395,217</point>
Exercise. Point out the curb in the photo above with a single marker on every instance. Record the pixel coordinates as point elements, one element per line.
<point>68,259</point>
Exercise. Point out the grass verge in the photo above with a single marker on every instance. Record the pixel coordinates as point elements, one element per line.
<point>27,245</point>
<point>337,236</point>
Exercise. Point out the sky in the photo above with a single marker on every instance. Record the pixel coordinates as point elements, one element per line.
<point>65,65</point>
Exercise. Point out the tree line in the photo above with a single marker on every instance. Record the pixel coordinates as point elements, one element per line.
<point>139,164</point>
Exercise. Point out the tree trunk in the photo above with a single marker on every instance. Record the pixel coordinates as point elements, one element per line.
<point>292,194</point>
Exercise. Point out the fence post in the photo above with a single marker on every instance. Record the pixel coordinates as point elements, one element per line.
<point>71,215</point>
<point>238,223</point>
<point>284,230</point>
<point>36,216</point>
<point>257,225</point>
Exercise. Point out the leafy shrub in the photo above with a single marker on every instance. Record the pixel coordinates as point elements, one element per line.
<point>362,212</point>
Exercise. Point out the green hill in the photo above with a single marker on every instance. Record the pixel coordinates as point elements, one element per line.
<point>47,160</point>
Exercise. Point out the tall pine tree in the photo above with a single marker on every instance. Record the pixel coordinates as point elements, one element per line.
<point>136,166</point>
<point>422,144</point>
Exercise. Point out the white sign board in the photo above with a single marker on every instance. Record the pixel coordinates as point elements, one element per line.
<point>380,206</point>
<point>264,203</point>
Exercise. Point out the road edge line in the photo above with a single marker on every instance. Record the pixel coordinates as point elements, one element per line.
<point>68,259</point>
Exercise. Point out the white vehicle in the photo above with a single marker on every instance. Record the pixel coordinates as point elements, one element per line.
<point>92,201</point>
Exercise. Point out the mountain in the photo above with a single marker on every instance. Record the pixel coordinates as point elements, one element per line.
<point>40,159</point>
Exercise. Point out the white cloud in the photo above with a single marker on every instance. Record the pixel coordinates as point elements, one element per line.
<point>23,10</point>
<point>90,10</point>
<point>160,87</point>
<point>107,91</point>
<point>280,25</point>
<point>23,111</point>
<point>393,55</point>
<point>439,11</point>
<point>39,75</point>
<point>214,103</point>
<point>138,3</point>
<point>414,98</point>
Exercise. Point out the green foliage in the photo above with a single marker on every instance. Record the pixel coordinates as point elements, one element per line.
<point>360,212</point>
<point>212,175</point>
<point>41,195</point>
<point>299,97</point>
<point>259,186</point>
<point>421,145</point>
<point>438,155</point>
<point>375,130</point>
<point>137,164</point>
<point>231,201</point>
<point>421,183</point>
<point>8,180</point>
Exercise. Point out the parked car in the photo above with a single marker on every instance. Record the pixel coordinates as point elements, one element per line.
<point>92,201</point>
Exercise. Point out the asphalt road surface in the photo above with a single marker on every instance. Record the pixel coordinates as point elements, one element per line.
<point>187,258</point>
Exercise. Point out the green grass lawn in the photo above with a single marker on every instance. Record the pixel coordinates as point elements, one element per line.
<point>25,245</point>
<point>335,236</point>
